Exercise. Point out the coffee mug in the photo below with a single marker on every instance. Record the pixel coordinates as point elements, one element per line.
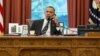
<point>32,32</point>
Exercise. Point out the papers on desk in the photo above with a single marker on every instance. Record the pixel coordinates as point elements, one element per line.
<point>72,31</point>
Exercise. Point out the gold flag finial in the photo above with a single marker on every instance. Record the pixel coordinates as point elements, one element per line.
<point>98,5</point>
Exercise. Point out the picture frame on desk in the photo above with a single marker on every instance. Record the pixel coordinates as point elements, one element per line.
<point>24,29</point>
<point>61,27</point>
<point>19,29</point>
<point>13,28</point>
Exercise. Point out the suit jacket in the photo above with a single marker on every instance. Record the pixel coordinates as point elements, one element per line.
<point>37,26</point>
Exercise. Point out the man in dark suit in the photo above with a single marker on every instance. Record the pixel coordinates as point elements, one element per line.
<point>39,26</point>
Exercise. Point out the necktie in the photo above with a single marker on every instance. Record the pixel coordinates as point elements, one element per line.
<point>45,28</point>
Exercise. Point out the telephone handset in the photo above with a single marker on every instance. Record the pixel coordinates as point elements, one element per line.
<point>51,17</point>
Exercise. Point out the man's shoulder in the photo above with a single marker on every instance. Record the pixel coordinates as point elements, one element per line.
<point>38,20</point>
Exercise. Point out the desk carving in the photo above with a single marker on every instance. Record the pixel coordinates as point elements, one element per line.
<point>49,46</point>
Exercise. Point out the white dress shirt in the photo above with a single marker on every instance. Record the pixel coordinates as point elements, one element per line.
<point>48,30</point>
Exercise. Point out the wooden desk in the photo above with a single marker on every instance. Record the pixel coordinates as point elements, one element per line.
<point>49,46</point>
<point>93,34</point>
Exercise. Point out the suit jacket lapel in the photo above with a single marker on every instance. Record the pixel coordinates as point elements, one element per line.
<point>41,24</point>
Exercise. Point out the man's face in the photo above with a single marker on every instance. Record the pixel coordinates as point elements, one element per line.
<point>97,1</point>
<point>49,12</point>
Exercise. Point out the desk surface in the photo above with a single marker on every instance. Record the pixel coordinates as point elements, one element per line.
<point>48,37</point>
<point>49,45</point>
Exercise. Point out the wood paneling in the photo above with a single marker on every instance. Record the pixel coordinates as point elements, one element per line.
<point>49,46</point>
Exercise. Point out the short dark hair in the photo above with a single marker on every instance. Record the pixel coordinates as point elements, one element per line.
<point>51,7</point>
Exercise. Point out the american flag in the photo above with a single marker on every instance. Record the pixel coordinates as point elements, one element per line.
<point>1,18</point>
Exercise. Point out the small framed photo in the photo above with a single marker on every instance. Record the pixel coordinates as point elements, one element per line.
<point>24,29</point>
<point>61,24</point>
<point>19,29</point>
<point>61,27</point>
<point>13,28</point>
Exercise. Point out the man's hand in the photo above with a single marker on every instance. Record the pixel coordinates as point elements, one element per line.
<point>55,19</point>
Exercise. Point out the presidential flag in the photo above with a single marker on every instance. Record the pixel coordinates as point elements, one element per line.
<point>94,12</point>
<point>1,18</point>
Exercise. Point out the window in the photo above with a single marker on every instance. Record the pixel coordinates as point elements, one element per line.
<point>38,7</point>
